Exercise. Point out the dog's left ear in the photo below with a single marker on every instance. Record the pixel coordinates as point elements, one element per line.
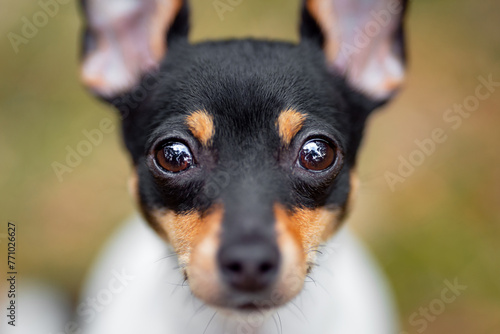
<point>125,39</point>
<point>362,40</point>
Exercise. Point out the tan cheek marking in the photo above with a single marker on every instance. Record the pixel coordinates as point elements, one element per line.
<point>185,230</point>
<point>293,261</point>
<point>180,230</point>
<point>203,270</point>
<point>308,227</point>
<point>201,125</point>
<point>289,124</point>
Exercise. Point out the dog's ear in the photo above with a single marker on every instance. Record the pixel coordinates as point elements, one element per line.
<point>362,40</point>
<point>126,39</point>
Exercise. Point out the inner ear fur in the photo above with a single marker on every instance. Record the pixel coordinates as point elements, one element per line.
<point>363,40</point>
<point>126,39</point>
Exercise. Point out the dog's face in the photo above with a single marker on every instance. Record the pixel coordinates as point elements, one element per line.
<point>244,150</point>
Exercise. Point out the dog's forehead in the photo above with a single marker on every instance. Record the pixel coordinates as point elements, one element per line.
<point>245,90</point>
<point>244,75</point>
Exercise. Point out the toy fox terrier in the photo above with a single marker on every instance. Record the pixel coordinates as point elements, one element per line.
<point>244,154</point>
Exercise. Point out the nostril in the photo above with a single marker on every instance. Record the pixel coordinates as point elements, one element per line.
<point>249,267</point>
<point>265,267</point>
<point>235,267</point>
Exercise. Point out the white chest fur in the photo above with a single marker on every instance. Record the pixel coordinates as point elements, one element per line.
<point>135,288</point>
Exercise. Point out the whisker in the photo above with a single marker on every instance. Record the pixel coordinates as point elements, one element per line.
<point>175,284</point>
<point>292,311</point>
<point>300,310</point>
<point>276,324</point>
<point>324,289</point>
<point>165,257</point>
<point>179,266</point>
<point>281,325</point>
<point>197,311</point>
<point>312,264</point>
<point>209,322</point>
<point>312,279</point>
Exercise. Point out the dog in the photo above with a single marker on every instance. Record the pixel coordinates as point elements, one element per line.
<point>244,156</point>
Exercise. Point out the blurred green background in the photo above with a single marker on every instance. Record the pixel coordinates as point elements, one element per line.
<point>441,223</point>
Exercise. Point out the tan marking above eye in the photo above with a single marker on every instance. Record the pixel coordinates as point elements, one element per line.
<point>289,124</point>
<point>201,125</point>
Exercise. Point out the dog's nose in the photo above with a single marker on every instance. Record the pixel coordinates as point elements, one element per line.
<point>249,267</point>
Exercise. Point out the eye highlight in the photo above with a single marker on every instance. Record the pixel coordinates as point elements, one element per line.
<point>174,157</point>
<point>316,155</point>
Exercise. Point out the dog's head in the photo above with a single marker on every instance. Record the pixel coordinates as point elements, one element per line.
<point>244,150</point>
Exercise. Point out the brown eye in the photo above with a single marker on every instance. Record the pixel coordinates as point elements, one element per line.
<point>316,155</point>
<point>174,157</point>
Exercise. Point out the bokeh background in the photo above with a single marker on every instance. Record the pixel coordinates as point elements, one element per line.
<point>441,223</point>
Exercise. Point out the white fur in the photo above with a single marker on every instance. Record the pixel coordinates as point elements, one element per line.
<point>349,295</point>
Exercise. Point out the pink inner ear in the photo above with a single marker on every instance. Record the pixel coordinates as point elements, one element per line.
<point>130,38</point>
<point>360,42</point>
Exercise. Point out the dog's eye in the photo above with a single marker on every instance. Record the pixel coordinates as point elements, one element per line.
<point>174,157</point>
<point>316,155</point>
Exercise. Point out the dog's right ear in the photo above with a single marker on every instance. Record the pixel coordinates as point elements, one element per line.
<point>126,39</point>
<point>363,40</point>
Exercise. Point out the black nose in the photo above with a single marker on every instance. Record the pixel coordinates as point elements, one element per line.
<point>249,267</point>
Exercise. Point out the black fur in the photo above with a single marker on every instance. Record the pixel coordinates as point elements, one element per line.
<point>244,85</point>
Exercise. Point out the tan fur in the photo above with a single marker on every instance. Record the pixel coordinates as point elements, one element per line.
<point>299,233</point>
<point>195,238</point>
<point>186,230</point>
<point>324,13</point>
<point>164,16</point>
<point>289,124</point>
<point>201,125</point>
<point>133,185</point>
<point>309,227</point>
<point>202,271</point>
